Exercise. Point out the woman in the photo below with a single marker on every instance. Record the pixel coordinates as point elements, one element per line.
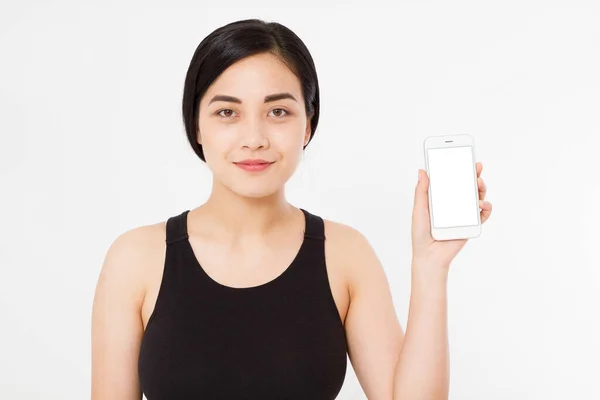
<point>247,296</point>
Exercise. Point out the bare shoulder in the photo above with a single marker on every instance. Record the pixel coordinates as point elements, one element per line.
<point>130,265</point>
<point>117,327</point>
<point>342,236</point>
<point>133,254</point>
<point>373,333</point>
<point>350,251</point>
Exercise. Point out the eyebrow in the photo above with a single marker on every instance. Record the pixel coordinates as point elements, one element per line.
<point>269,98</point>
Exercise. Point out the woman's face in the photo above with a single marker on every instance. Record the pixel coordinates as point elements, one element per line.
<point>253,111</point>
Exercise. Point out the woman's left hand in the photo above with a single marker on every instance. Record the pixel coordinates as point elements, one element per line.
<point>427,250</point>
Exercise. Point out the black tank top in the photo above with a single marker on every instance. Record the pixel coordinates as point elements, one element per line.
<point>283,339</point>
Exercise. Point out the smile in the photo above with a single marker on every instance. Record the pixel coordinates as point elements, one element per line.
<point>254,167</point>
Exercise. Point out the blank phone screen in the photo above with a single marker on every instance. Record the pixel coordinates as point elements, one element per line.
<point>453,188</point>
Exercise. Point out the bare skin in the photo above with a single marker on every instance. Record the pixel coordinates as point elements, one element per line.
<point>246,234</point>
<point>248,266</point>
<point>132,273</point>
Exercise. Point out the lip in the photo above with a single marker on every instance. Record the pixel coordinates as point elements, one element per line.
<point>254,161</point>
<point>254,164</point>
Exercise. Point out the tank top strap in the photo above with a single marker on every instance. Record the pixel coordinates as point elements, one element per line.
<point>315,227</point>
<point>177,228</point>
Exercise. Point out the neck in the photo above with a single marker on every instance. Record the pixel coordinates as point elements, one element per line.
<point>230,215</point>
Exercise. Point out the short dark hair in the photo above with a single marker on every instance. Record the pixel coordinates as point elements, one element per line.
<point>233,42</point>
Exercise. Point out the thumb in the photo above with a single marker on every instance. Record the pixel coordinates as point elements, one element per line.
<point>421,205</point>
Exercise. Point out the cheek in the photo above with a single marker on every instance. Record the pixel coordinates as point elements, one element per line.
<point>288,139</point>
<point>217,138</point>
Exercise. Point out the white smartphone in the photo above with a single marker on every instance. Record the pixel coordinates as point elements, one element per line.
<point>453,194</point>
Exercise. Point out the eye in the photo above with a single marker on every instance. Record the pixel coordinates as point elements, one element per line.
<point>279,112</point>
<point>228,114</point>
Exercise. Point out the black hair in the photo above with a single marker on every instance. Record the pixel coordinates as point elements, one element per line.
<point>233,42</point>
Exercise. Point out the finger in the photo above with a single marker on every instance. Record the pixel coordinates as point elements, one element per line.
<point>486,210</point>
<point>421,201</point>
<point>478,168</point>
<point>482,188</point>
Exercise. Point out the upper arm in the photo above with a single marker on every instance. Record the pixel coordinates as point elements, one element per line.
<point>117,326</point>
<point>373,332</point>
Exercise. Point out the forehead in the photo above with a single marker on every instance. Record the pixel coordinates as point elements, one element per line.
<point>256,76</point>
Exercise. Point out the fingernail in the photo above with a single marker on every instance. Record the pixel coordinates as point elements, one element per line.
<point>419,175</point>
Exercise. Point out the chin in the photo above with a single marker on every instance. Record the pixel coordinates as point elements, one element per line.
<point>253,193</point>
<point>257,188</point>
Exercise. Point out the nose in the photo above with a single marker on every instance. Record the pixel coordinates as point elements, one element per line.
<point>254,135</point>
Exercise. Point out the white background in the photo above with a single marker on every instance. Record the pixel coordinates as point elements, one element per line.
<point>92,144</point>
